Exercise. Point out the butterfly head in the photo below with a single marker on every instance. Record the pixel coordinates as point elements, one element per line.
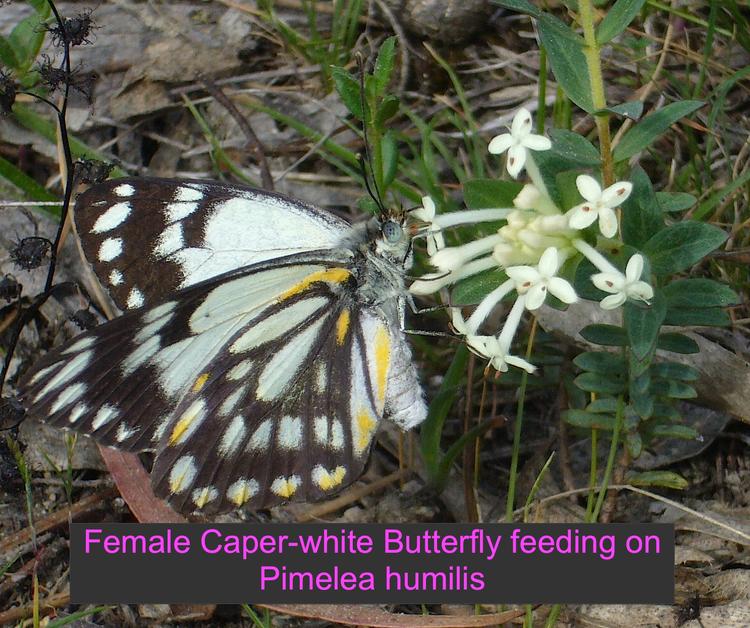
<point>390,237</point>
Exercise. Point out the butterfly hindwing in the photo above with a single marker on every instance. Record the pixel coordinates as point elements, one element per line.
<point>147,238</point>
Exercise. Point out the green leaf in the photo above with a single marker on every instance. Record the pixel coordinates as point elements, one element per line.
<point>600,362</point>
<point>389,148</point>
<point>588,420</point>
<point>667,479</point>
<point>642,325</point>
<point>519,6</point>
<point>681,245</point>
<point>384,65</point>
<point>490,193</point>
<point>652,126</point>
<point>683,432</point>
<point>675,201</point>
<point>607,335</point>
<point>674,370</point>
<point>617,19</point>
<point>565,55</point>
<point>574,149</point>
<point>708,316</point>
<point>388,108</point>
<point>348,89</point>
<point>666,411</point>
<point>709,205</point>
<point>603,405</point>
<point>631,110</point>
<point>641,214</point>
<point>600,384</point>
<point>699,293</point>
<point>27,37</point>
<point>7,54</point>
<point>33,190</point>
<point>673,389</point>
<point>677,343</point>
<point>634,443</point>
<point>472,290</point>
<point>643,405</point>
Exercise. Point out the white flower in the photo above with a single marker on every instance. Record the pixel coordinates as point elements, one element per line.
<point>518,142</point>
<point>622,287</point>
<point>535,282</point>
<point>497,352</point>
<point>453,257</point>
<point>426,213</point>
<point>599,203</point>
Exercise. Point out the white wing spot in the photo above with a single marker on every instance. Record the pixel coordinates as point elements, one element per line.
<point>261,437</point>
<point>232,400</point>
<point>170,240</point>
<point>188,422</point>
<point>83,343</point>
<point>112,218</point>
<point>43,373</point>
<point>186,194</point>
<point>320,429</point>
<point>66,373</point>
<point>337,436</point>
<point>105,415</point>
<point>202,496</point>
<point>135,299</point>
<point>68,395</point>
<point>233,436</point>
<point>116,278</point>
<point>140,355</point>
<point>282,368</point>
<point>321,377</point>
<point>110,249</point>
<point>161,427</point>
<point>277,324</point>
<point>242,490</point>
<point>182,474</point>
<point>124,431</point>
<point>152,328</point>
<point>286,487</point>
<point>289,434</point>
<point>240,370</point>
<point>77,412</point>
<point>124,190</point>
<point>159,311</point>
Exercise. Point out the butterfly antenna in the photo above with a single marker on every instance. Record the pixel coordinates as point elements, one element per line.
<point>377,196</point>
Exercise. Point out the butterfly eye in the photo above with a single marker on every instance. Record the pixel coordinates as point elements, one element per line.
<point>392,231</point>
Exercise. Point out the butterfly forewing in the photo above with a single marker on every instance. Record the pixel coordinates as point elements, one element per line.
<point>147,238</point>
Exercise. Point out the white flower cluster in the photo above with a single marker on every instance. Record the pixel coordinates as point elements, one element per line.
<point>537,239</point>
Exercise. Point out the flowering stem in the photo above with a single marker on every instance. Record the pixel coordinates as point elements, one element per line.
<point>517,429</point>
<point>593,61</point>
<point>610,459</point>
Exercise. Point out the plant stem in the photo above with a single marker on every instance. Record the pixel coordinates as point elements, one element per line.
<point>517,431</point>
<point>593,61</point>
<point>610,459</point>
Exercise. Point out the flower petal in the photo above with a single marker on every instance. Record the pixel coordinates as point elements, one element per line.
<point>634,269</point>
<point>516,160</point>
<point>640,290</point>
<point>581,216</point>
<point>548,262</point>
<point>500,143</point>
<point>608,282</point>
<point>607,222</point>
<point>537,142</point>
<point>616,194</point>
<point>536,296</point>
<point>521,125</point>
<point>562,290</point>
<point>589,188</point>
<point>613,301</point>
<point>523,274</point>
<point>520,363</point>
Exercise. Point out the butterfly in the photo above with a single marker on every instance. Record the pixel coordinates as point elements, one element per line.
<point>260,345</point>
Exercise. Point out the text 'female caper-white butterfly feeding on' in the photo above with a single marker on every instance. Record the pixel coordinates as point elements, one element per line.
<point>261,345</point>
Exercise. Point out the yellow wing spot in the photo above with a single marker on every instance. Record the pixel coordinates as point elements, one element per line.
<point>285,487</point>
<point>382,360</point>
<point>342,326</point>
<point>242,491</point>
<point>332,275</point>
<point>184,423</point>
<point>200,382</point>
<point>328,480</point>
<point>366,425</point>
<point>202,496</point>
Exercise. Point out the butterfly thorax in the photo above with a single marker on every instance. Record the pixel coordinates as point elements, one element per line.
<point>382,249</point>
